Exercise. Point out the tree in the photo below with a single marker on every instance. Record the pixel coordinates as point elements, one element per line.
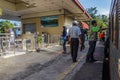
<point>5,25</point>
<point>92,11</point>
<point>102,20</point>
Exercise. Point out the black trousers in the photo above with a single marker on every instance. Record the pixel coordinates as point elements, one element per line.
<point>82,44</point>
<point>74,48</point>
<point>92,45</point>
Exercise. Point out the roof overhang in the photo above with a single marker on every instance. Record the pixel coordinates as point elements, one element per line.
<point>82,8</point>
<point>26,8</point>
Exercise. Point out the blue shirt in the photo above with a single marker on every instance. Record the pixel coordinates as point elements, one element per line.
<point>74,32</point>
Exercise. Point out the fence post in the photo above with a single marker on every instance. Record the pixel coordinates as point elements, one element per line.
<point>24,44</point>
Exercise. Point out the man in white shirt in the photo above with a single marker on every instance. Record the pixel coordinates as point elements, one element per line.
<point>74,35</point>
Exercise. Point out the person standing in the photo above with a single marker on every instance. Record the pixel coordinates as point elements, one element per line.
<point>64,37</point>
<point>103,36</point>
<point>84,32</point>
<point>100,36</point>
<point>92,41</point>
<point>74,35</point>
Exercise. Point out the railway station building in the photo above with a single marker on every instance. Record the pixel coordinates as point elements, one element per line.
<point>43,15</point>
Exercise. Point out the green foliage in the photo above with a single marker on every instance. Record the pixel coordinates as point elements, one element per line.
<point>39,39</point>
<point>102,20</point>
<point>5,25</point>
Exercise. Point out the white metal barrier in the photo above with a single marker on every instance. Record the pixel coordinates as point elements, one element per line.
<point>24,44</point>
<point>6,43</point>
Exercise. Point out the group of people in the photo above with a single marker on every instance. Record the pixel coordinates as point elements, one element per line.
<point>73,37</point>
<point>76,36</point>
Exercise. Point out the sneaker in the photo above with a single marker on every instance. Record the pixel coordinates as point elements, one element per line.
<point>87,61</point>
<point>64,52</point>
<point>93,60</point>
<point>74,61</point>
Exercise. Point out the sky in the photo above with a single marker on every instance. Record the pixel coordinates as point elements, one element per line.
<point>103,6</point>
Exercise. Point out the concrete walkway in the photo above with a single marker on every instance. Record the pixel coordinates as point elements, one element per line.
<point>92,71</point>
<point>50,64</point>
<point>18,67</point>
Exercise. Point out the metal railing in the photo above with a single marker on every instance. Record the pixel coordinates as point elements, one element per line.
<point>46,40</point>
<point>5,43</point>
<point>27,42</point>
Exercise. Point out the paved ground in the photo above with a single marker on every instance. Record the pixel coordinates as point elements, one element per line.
<point>59,66</point>
<point>50,64</point>
<point>46,65</point>
<point>92,71</point>
<point>27,64</point>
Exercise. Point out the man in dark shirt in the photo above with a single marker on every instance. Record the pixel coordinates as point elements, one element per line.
<point>84,32</point>
<point>64,37</point>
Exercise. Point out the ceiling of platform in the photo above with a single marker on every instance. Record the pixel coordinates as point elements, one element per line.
<point>15,1</point>
<point>24,7</point>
